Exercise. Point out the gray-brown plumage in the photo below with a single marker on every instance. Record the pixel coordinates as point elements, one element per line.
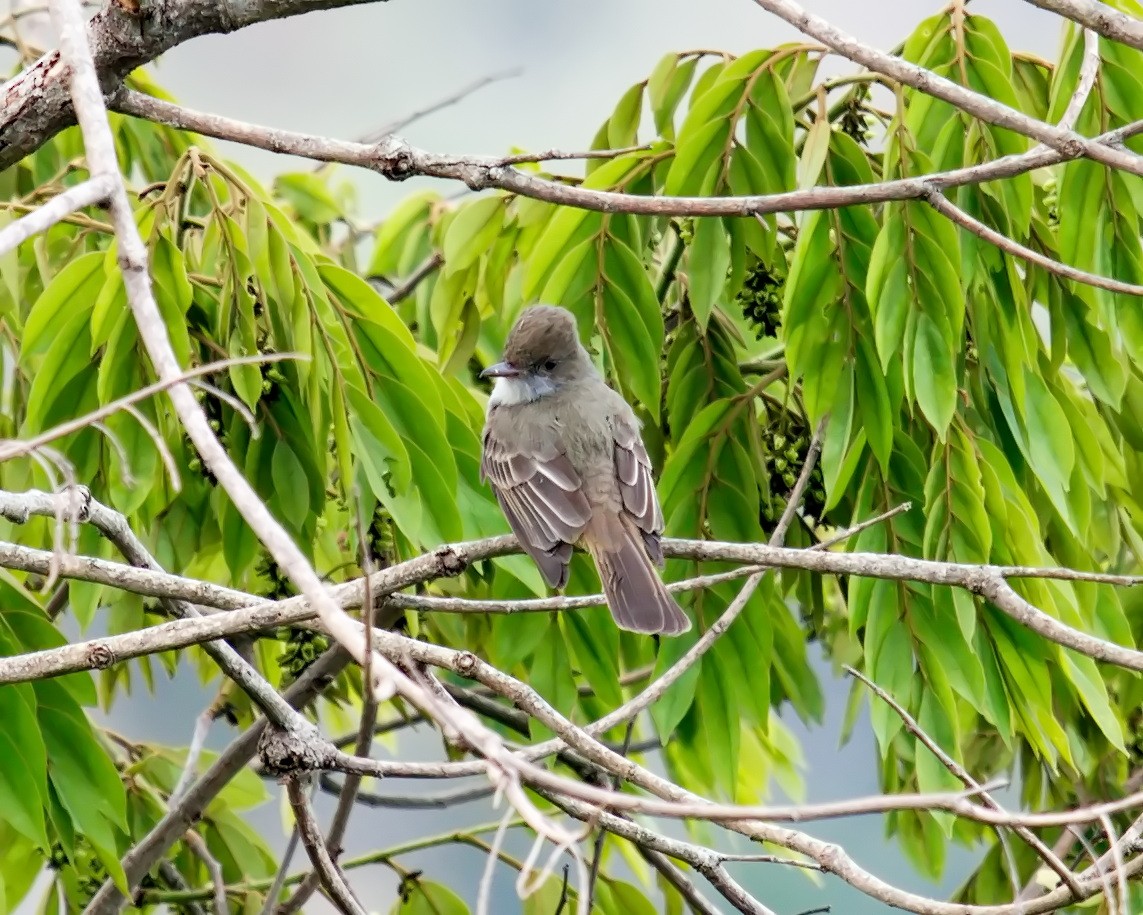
<point>564,457</point>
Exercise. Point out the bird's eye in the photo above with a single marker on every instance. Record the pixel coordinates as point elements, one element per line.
<point>550,364</point>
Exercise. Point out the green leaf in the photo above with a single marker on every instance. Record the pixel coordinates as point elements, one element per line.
<point>83,776</point>
<point>471,232</point>
<point>665,90</point>
<point>72,291</point>
<point>673,705</point>
<point>378,447</point>
<point>624,899</point>
<point>291,487</point>
<point>23,764</point>
<point>634,323</point>
<point>718,723</point>
<point>708,259</point>
<point>68,356</point>
<point>877,412</point>
<point>934,377</point>
<point>636,350</point>
<point>1102,365</point>
<point>594,643</point>
<point>563,233</point>
<point>623,126</point>
<point>1085,677</point>
<point>424,897</point>
<point>679,473</point>
<point>551,674</point>
<point>1051,450</point>
<point>309,195</point>
<point>408,219</point>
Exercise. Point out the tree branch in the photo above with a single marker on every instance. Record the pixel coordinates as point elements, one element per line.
<point>35,105</point>
<point>396,159</point>
<point>1099,17</point>
<point>44,217</point>
<point>952,212</point>
<point>331,877</point>
<point>139,861</point>
<point>252,614</point>
<point>1067,142</point>
<point>1046,854</point>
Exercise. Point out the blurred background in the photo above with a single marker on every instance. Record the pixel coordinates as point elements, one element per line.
<point>349,72</point>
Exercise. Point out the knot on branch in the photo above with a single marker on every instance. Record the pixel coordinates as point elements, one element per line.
<point>75,501</point>
<point>298,749</point>
<point>394,160</point>
<point>477,177</point>
<point>100,657</point>
<point>449,561</point>
<point>465,662</point>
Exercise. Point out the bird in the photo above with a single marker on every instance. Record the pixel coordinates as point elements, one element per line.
<point>563,453</point>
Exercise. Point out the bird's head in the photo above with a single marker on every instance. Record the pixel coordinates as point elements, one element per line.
<point>541,355</point>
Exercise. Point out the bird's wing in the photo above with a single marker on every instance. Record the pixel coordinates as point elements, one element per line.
<point>541,496</point>
<point>637,487</point>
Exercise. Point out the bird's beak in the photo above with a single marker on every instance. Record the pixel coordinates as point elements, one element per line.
<point>500,370</point>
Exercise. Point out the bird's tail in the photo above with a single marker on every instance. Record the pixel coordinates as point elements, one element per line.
<point>638,600</point>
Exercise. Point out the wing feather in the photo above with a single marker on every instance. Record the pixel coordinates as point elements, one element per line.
<point>637,486</point>
<point>541,496</point>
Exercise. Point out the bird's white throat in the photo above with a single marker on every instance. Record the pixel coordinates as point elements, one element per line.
<point>509,392</point>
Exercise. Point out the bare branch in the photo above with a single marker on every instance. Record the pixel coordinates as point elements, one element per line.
<point>1064,141</point>
<point>1045,853</point>
<point>950,210</point>
<point>63,204</point>
<point>1099,17</point>
<point>139,861</point>
<point>253,614</point>
<point>682,884</point>
<point>331,877</point>
<point>198,847</point>
<point>13,448</point>
<point>459,96</point>
<point>36,104</point>
<point>397,159</point>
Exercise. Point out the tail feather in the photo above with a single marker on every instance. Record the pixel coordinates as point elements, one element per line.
<point>638,600</point>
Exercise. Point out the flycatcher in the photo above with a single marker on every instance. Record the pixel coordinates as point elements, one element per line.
<point>564,456</point>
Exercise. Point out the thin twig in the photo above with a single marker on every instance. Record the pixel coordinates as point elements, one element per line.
<point>197,845</point>
<point>15,448</point>
<point>90,192</point>
<point>1063,140</point>
<point>413,280</point>
<point>556,155</point>
<point>397,158</point>
<point>1089,70</point>
<point>963,775</point>
<point>439,105</point>
<point>275,891</point>
<point>331,876</point>
<point>682,884</point>
<point>190,765</point>
<point>951,211</point>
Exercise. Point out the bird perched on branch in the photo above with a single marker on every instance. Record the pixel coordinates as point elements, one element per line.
<point>563,454</point>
